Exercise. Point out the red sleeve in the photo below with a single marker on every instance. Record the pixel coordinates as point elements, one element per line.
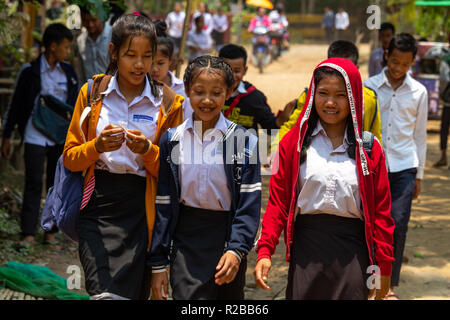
<point>383,233</point>
<point>277,210</point>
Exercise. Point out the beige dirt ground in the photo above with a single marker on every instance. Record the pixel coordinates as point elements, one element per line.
<point>426,275</point>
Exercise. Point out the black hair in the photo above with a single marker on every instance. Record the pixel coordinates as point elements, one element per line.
<point>130,26</point>
<point>387,26</point>
<point>319,74</point>
<point>403,42</point>
<point>344,49</point>
<point>233,51</point>
<point>198,18</point>
<point>165,44</point>
<point>56,32</point>
<point>208,64</point>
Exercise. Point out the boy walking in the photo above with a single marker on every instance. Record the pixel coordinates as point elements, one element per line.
<point>247,105</point>
<point>385,35</point>
<point>403,107</point>
<point>48,74</point>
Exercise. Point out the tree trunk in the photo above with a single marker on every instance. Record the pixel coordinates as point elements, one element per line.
<point>303,6</point>
<point>184,37</point>
<point>311,6</point>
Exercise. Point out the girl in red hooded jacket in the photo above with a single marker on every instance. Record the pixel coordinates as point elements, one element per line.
<point>330,196</point>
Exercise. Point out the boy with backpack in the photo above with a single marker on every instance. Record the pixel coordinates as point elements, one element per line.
<point>247,105</point>
<point>46,75</point>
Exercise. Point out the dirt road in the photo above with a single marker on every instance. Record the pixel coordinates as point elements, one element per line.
<point>426,275</point>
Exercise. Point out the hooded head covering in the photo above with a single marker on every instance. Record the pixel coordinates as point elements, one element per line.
<point>353,83</point>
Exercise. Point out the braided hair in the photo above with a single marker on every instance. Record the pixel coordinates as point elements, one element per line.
<point>319,74</point>
<point>208,64</point>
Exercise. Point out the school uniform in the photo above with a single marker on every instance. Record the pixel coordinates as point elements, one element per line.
<point>248,107</point>
<point>116,224</point>
<point>38,78</point>
<point>335,211</point>
<point>208,202</point>
<point>404,114</point>
<point>200,40</point>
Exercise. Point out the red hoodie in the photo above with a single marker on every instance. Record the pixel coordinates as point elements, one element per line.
<point>374,189</point>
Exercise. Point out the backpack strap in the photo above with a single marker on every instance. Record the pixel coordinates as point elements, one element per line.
<point>367,138</point>
<point>87,109</point>
<point>237,99</point>
<point>168,97</point>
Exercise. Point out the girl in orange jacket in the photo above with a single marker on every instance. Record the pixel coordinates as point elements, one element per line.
<point>120,158</point>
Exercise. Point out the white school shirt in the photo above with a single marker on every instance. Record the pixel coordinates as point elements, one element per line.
<point>207,19</point>
<point>175,22</point>
<point>177,85</point>
<point>202,40</point>
<point>220,23</point>
<point>341,20</point>
<point>141,114</point>
<point>404,114</point>
<point>201,169</point>
<point>54,82</point>
<point>329,179</point>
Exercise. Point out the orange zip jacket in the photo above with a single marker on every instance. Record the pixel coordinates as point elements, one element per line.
<point>81,156</point>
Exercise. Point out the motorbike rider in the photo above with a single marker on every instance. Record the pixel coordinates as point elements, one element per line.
<point>279,25</point>
<point>261,20</point>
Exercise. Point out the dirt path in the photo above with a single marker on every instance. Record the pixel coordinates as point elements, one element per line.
<point>426,275</point>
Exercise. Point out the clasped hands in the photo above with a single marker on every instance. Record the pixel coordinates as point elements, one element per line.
<point>112,137</point>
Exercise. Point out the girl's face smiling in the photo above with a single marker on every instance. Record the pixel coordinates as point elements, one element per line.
<point>160,67</point>
<point>134,61</point>
<point>207,93</point>
<point>331,101</point>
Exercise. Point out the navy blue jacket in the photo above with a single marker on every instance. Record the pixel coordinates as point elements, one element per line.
<point>28,87</point>
<point>243,171</point>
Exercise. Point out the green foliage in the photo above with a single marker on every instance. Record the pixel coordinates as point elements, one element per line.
<point>432,23</point>
<point>98,8</point>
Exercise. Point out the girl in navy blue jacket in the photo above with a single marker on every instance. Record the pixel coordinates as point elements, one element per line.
<point>208,201</point>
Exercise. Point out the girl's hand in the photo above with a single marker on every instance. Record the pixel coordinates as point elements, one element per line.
<point>160,286</point>
<point>137,142</point>
<point>261,273</point>
<point>110,139</point>
<point>227,268</point>
<point>385,283</point>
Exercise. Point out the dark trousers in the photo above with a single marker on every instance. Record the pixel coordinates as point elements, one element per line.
<point>35,158</point>
<point>402,190</point>
<point>445,123</point>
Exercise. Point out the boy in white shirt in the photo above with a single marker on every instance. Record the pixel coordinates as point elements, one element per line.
<point>403,105</point>
<point>199,41</point>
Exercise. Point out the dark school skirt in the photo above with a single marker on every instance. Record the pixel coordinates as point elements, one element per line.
<point>329,259</point>
<point>198,244</point>
<point>113,237</point>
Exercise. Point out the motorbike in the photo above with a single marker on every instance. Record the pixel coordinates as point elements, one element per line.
<point>261,47</point>
<point>276,36</point>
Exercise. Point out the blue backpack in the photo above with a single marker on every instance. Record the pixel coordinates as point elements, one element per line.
<point>63,202</point>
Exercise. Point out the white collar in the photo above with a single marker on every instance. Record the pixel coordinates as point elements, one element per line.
<point>385,80</point>
<point>45,67</point>
<point>320,129</point>
<point>174,80</point>
<point>239,89</point>
<point>221,124</point>
<point>146,93</point>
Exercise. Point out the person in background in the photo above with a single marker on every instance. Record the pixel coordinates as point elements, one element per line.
<point>207,18</point>
<point>261,20</point>
<point>385,35</point>
<point>48,74</point>
<point>199,41</point>
<point>160,70</point>
<point>175,23</point>
<point>220,25</point>
<point>328,23</point>
<point>91,50</point>
<point>444,89</point>
<point>247,105</point>
<point>404,110</point>
<point>342,22</point>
